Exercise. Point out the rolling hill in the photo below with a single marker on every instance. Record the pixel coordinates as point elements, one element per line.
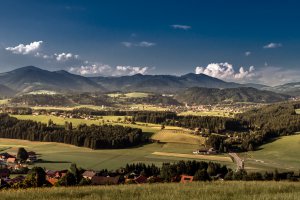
<point>162,83</point>
<point>289,88</point>
<point>6,91</point>
<point>197,95</point>
<point>27,79</point>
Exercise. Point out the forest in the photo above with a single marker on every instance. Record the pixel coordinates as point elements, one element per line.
<point>94,137</point>
<point>246,131</point>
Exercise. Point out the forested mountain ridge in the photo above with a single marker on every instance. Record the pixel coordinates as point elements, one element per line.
<point>197,96</point>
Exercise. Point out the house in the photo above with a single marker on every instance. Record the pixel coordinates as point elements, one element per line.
<point>186,179</point>
<point>53,176</point>
<point>140,179</point>
<point>4,156</point>
<point>4,173</point>
<point>11,160</point>
<point>102,180</point>
<point>210,151</point>
<point>89,174</point>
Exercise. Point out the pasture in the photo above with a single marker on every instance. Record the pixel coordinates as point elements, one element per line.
<point>282,154</point>
<point>60,156</point>
<point>4,101</point>
<point>178,136</point>
<point>197,190</point>
<point>129,95</point>
<point>216,113</point>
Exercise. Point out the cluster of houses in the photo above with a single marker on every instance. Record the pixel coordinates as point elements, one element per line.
<point>9,164</point>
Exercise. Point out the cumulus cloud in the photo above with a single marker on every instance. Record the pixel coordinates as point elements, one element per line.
<point>248,53</point>
<point>271,75</point>
<point>94,69</point>
<point>129,70</point>
<point>272,45</point>
<point>24,49</point>
<point>226,71</point>
<point>139,44</point>
<point>65,56</point>
<point>106,70</point>
<point>180,26</point>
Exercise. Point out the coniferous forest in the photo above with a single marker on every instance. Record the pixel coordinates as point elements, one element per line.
<point>95,137</point>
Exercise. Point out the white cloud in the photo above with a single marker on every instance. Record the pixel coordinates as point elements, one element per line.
<point>94,69</point>
<point>129,70</point>
<point>140,44</point>
<point>272,45</point>
<point>248,53</point>
<point>273,76</point>
<point>65,56</point>
<point>106,70</point>
<point>127,44</point>
<point>227,72</point>
<point>182,27</point>
<point>145,44</point>
<point>26,49</point>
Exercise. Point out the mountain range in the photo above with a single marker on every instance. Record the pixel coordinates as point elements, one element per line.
<point>30,78</point>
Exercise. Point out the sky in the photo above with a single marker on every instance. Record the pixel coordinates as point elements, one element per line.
<point>235,40</point>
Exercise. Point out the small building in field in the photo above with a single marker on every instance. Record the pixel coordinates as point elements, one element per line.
<point>11,160</point>
<point>186,179</point>
<point>140,179</point>
<point>89,174</point>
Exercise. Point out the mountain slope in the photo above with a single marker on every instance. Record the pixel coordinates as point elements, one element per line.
<point>31,78</point>
<point>161,83</point>
<point>289,88</point>
<point>197,95</point>
<point>6,91</point>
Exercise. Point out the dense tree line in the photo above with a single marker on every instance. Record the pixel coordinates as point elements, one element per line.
<point>169,172</point>
<point>95,137</point>
<point>213,124</point>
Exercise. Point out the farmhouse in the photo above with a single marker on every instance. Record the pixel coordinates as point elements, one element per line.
<point>186,179</point>
<point>53,176</point>
<point>89,174</point>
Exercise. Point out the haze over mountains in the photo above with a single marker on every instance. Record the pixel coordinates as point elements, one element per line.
<point>28,79</point>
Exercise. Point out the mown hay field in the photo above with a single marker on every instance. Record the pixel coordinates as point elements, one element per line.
<point>196,190</point>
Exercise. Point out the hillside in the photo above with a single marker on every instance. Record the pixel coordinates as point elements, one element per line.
<point>197,95</point>
<point>6,91</point>
<point>197,190</point>
<point>161,83</point>
<point>31,78</point>
<point>289,88</point>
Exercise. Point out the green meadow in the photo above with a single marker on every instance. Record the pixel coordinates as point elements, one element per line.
<point>197,190</point>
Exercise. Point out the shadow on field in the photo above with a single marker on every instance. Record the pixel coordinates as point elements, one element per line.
<point>50,161</point>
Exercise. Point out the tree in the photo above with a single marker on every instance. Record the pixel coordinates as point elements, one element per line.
<point>75,171</point>
<point>36,177</point>
<point>201,175</point>
<point>22,154</point>
<point>68,180</point>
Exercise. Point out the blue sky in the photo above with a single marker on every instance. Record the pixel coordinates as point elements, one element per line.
<point>242,41</point>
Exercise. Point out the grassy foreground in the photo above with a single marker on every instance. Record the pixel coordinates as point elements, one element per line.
<point>205,191</point>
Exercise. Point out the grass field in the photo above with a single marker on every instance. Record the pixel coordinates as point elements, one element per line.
<point>4,101</point>
<point>60,156</point>
<point>129,95</point>
<point>175,191</point>
<point>217,113</point>
<point>178,136</point>
<point>281,154</point>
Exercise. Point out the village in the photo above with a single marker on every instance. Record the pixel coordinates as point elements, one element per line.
<point>15,168</point>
